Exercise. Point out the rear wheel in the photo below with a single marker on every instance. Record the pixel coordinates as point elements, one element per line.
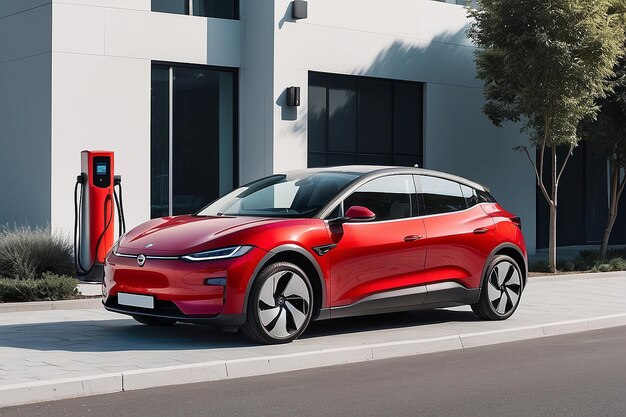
<point>279,305</point>
<point>501,291</point>
<point>154,321</point>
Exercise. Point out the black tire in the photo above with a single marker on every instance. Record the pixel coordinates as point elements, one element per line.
<point>291,311</point>
<point>154,321</point>
<point>501,292</point>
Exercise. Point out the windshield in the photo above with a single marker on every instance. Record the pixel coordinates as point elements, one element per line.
<point>281,195</point>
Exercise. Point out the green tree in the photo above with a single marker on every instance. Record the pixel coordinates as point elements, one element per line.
<point>609,130</point>
<point>544,64</point>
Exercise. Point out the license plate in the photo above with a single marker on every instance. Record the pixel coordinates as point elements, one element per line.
<point>135,300</point>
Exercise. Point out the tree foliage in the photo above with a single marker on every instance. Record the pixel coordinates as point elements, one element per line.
<point>545,62</point>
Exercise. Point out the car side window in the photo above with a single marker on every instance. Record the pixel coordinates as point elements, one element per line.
<point>471,198</point>
<point>440,195</point>
<point>391,197</point>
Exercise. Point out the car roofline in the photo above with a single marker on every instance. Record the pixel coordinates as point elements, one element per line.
<point>374,170</point>
<point>368,173</point>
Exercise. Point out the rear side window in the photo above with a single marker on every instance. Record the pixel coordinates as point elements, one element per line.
<point>390,198</point>
<point>441,196</point>
<point>471,198</point>
<point>485,197</point>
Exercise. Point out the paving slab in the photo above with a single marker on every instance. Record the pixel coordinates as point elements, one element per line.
<point>45,353</point>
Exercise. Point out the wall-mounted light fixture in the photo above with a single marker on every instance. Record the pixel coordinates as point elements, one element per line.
<point>299,9</point>
<point>293,96</point>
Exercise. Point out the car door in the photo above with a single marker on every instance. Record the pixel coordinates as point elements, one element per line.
<point>380,255</point>
<point>460,233</point>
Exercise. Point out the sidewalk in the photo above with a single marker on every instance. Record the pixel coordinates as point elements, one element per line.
<point>66,353</point>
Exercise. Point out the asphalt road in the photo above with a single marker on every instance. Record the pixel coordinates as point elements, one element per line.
<point>582,374</point>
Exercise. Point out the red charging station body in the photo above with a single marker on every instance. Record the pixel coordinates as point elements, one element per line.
<point>97,220</point>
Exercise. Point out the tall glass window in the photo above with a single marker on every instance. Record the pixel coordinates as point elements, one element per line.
<point>222,9</point>
<point>160,142</point>
<point>359,120</point>
<point>193,137</point>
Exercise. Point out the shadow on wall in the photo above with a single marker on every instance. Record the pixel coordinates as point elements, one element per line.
<point>448,56</point>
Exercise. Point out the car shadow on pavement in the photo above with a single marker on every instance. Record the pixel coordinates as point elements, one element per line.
<point>127,335</point>
<point>387,322</point>
<point>115,335</point>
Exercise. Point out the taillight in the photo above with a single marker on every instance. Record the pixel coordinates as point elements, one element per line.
<point>517,221</point>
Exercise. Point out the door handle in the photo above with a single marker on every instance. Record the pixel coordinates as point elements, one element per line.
<point>412,238</point>
<point>481,230</point>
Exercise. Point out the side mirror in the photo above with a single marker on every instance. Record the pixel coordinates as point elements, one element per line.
<point>355,214</point>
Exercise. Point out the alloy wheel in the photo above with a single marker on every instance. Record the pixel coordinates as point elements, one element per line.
<point>284,303</point>
<point>504,287</point>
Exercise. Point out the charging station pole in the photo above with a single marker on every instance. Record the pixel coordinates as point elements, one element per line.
<point>95,222</point>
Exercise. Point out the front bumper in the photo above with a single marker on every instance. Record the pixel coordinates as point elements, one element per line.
<point>206,291</point>
<point>169,310</point>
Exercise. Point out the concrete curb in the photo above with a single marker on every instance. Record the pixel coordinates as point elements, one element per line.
<point>219,370</point>
<point>79,304</point>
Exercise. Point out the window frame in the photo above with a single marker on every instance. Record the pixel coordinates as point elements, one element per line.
<point>396,158</point>
<point>171,66</point>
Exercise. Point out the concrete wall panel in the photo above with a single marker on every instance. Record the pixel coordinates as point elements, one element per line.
<point>462,141</point>
<point>10,7</point>
<point>25,33</point>
<point>25,141</point>
<point>100,103</point>
<point>256,118</point>
<point>186,38</point>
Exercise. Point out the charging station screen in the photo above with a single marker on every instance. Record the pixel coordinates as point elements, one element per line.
<point>101,169</point>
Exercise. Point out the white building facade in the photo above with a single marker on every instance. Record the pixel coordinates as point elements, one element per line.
<point>191,97</point>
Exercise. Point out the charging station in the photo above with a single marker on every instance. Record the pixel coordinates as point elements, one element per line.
<point>94,220</point>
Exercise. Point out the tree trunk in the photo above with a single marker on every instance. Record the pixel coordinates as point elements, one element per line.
<point>553,209</point>
<point>614,196</point>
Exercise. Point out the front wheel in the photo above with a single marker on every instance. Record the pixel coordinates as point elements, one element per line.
<point>279,305</point>
<point>501,291</point>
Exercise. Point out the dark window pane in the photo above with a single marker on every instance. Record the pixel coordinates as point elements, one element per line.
<point>342,112</point>
<point>223,9</point>
<point>335,159</point>
<point>374,159</point>
<point>317,160</point>
<point>596,192</point>
<point>203,137</point>
<point>159,142</point>
<point>317,116</point>
<point>388,197</point>
<point>407,118</point>
<point>360,120</point>
<point>441,196</point>
<point>374,126</point>
<point>171,6</point>
<point>407,161</point>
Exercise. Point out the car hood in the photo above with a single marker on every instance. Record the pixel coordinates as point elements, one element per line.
<point>183,234</point>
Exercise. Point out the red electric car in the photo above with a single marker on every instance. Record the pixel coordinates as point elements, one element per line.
<point>322,243</point>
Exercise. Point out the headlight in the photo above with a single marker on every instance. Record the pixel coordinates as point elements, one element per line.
<point>223,253</point>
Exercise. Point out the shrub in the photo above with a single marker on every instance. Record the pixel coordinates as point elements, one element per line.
<point>26,253</point>
<point>49,287</point>
<point>539,266</point>
<point>615,264</point>
<point>588,260</point>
